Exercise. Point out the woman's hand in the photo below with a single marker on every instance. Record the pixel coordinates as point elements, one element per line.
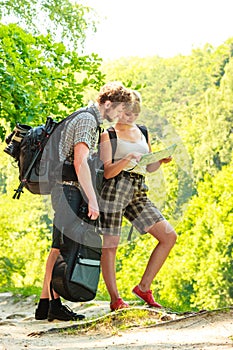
<point>134,156</point>
<point>155,166</point>
<point>166,160</point>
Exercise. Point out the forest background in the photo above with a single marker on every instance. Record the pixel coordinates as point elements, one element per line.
<point>186,100</point>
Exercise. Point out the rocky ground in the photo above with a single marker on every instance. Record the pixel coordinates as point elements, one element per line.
<point>206,330</point>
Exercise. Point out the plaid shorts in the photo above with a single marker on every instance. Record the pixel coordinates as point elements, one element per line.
<point>125,195</point>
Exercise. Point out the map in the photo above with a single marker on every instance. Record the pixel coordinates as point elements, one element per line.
<point>153,157</point>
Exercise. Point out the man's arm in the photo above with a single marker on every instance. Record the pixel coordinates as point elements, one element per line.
<point>81,152</point>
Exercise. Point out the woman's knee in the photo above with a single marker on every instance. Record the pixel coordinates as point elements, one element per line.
<point>168,238</point>
<point>163,232</point>
<point>172,237</point>
<point>110,242</point>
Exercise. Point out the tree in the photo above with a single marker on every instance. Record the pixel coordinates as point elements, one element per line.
<point>39,77</point>
<point>62,19</point>
<point>199,271</point>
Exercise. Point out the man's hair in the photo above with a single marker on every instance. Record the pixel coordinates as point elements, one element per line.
<point>115,92</point>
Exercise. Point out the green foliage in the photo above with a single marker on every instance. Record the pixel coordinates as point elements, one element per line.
<point>181,98</point>
<point>187,100</point>
<point>198,272</point>
<point>63,19</point>
<point>41,78</point>
<point>25,233</point>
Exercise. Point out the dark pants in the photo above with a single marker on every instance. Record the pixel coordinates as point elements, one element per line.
<point>66,201</point>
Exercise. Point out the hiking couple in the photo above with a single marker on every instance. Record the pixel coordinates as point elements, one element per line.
<point>123,194</point>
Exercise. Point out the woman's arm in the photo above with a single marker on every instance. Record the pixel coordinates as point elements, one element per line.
<point>113,169</point>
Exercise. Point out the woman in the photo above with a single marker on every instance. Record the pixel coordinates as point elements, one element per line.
<point>124,194</point>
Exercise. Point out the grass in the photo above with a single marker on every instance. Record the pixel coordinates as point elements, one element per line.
<point>22,291</point>
<point>117,321</point>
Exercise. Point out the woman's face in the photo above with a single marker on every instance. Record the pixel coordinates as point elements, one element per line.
<point>128,117</point>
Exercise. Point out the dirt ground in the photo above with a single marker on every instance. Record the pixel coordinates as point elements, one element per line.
<point>206,330</point>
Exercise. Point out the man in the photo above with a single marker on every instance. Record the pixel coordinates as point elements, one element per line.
<point>77,140</point>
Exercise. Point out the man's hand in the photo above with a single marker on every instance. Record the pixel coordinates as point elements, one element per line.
<point>93,210</point>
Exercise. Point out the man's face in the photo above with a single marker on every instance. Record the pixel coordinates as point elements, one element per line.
<point>113,111</point>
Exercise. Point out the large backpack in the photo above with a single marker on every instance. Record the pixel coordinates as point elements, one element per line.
<point>37,155</point>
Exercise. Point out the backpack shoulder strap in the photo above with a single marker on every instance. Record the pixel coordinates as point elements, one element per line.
<point>113,138</point>
<point>144,130</point>
<point>91,111</point>
<point>82,110</point>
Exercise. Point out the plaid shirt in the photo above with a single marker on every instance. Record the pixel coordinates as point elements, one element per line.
<point>82,128</point>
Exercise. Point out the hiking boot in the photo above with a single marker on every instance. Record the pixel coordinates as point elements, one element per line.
<point>41,314</point>
<point>118,304</point>
<point>63,313</point>
<point>42,310</point>
<point>146,296</point>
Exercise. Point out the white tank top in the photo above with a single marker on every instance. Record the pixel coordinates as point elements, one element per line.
<point>125,147</point>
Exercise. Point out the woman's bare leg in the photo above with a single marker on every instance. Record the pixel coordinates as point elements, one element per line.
<point>166,236</point>
<point>108,265</point>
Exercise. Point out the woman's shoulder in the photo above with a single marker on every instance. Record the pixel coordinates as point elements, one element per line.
<point>110,132</point>
<point>105,135</point>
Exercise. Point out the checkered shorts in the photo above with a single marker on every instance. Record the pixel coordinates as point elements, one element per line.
<point>125,195</point>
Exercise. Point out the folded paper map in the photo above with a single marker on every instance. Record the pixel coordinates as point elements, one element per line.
<point>153,157</point>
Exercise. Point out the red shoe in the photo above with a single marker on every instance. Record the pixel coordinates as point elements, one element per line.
<point>118,304</point>
<point>146,296</point>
